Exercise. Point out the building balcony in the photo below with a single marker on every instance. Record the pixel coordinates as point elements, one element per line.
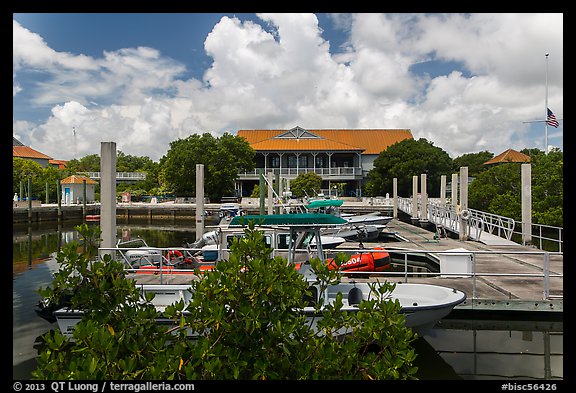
<point>334,173</point>
<point>120,176</point>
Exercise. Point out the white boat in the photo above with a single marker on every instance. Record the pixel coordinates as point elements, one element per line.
<point>361,227</point>
<point>423,304</point>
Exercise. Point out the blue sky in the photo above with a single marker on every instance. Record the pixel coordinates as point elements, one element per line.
<point>466,82</point>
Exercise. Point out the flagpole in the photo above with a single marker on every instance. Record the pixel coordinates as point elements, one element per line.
<point>546,109</point>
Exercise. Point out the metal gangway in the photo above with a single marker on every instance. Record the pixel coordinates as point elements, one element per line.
<point>481,226</point>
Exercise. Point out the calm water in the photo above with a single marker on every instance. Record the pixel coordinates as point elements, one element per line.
<point>454,349</point>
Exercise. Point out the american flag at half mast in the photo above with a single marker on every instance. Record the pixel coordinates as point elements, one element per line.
<point>551,119</point>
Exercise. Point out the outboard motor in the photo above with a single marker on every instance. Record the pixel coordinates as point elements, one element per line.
<point>354,296</point>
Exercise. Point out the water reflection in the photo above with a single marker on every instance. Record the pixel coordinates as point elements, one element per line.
<point>497,349</point>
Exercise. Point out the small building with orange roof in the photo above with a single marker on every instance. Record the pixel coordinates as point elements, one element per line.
<point>509,155</point>
<point>73,189</point>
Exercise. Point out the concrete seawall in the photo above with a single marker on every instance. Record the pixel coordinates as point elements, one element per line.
<point>150,211</point>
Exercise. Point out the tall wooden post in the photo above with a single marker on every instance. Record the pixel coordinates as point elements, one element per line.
<point>423,198</point>
<point>463,232</point>
<point>526,176</point>
<point>108,195</point>
<point>199,201</point>
<point>414,198</point>
<point>395,197</point>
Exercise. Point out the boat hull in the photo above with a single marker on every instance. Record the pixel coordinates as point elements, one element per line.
<point>422,304</point>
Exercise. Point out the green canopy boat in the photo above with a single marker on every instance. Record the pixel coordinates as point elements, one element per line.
<point>319,203</point>
<point>291,220</point>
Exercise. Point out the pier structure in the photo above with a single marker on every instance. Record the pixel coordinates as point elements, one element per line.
<point>495,272</point>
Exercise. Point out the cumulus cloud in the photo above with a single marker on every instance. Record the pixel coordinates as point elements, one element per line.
<point>282,71</point>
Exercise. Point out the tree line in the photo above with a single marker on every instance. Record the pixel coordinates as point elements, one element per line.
<point>495,189</point>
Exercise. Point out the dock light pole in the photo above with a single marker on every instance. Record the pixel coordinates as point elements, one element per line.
<point>546,107</point>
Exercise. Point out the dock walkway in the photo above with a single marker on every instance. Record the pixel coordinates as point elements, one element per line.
<point>503,276</point>
<point>506,275</point>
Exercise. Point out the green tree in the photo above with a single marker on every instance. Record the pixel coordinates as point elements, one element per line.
<point>404,160</point>
<point>474,162</point>
<point>223,159</point>
<point>308,183</point>
<point>89,163</point>
<point>243,316</point>
<point>498,190</point>
<point>129,163</point>
<point>548,187</point>
<point>22,170</point>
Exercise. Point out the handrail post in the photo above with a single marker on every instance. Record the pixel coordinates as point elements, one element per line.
<point>473,276</point>
<point>405,267</point>
<point>546,269</point>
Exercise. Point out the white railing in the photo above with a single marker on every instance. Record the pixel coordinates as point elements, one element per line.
<point>128,176</point>
<point>447,216</point>
<point>473,274</point>
<point>538,234</point>
<point>293,172</point>
<point>544,273</point>
<point>479,222</point>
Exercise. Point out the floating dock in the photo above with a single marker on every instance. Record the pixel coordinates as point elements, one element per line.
<point>499,275</point>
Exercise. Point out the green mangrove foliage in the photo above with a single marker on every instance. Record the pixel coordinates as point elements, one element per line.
<point>244,320</point>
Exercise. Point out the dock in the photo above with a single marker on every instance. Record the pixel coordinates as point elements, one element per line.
<point>502,276</point>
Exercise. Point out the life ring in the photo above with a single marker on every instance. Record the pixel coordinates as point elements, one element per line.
<point>174,254</point>
<point>465,214</point>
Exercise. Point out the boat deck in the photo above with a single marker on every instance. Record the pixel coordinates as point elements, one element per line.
<point>504,275</point>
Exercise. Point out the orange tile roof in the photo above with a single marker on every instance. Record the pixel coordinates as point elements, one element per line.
<point>509,155</point>
<point>60,163</point>
<point>76,179</point>
<point>28,152</point>
<point>369,141</point>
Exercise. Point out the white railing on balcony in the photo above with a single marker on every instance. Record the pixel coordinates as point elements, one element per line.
<point>293,172</point>
<point>126,176</point>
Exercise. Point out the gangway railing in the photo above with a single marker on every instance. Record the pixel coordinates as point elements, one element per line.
<point>478,222</point>
<point>446,216</point>
<point>542,234</point>
<point>542,273</point>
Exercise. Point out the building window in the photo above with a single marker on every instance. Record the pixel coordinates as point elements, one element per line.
<point>303,161</point>
<point>291,161</point>
<point>275,162</point>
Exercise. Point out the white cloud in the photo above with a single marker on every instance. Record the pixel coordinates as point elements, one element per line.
<point>280,73</point>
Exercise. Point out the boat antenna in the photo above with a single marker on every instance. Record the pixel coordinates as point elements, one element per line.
<point>275,193</point>
<point>74,132</point>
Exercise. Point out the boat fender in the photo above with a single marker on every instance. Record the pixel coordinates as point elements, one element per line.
<point>465,214</point>
<point>354,296</point>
